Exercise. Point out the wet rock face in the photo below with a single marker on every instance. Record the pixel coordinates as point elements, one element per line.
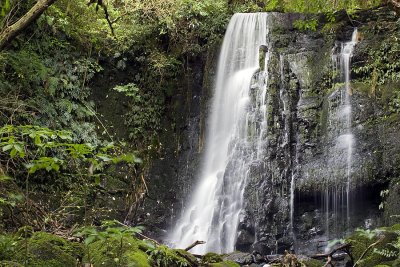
<point>293,117</point>
<point>297,144</point>
<point>302,93</point>
<point>173,174</point>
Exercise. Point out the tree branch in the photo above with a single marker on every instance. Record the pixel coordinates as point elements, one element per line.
<point>12,31</point>
<point>106,14</point>
<point>368,248</point>
<point>194,244</point>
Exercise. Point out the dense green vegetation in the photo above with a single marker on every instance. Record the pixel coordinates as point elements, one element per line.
<point>61,165</point>
<point>319,6</point>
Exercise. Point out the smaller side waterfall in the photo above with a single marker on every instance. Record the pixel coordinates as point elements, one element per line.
<point>346,54</point>
<point>337,201</point>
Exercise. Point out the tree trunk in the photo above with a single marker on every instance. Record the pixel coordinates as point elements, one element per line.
<point>12,31</point>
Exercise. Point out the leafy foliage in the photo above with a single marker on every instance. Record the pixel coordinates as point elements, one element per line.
<point>320,6</point>
<point>51,160</point>
<point>371,247</point>
<point>394,251</point>
<point>4,8</point>
<point>8,246</point>
<point>317,7</point>
<point>368,233</point>
<point>145,112</point>
<point>51,87</point>
<point>111,229</point>
<point>381,70</point>
<point>122,248</point>
<point>383,63</point>
<point>39,147</point>
<point>305,25</point>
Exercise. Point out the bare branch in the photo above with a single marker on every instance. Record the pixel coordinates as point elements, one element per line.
<point>195,244</point>
<point>99,3</point>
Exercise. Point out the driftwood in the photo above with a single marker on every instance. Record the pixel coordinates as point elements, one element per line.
<point>194,244</point>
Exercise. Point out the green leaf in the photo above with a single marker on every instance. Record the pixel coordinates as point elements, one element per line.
<point>7,147</point>
<point>38,141</point>
<point>5,178</point>
<point>5,8</point>
<point>18,147</point>
<point>13,153</point>
<point>97,179</point>
<point>65,135</point>
<point>55,167</point>
<point>104,157</point>
<point>90,239</point>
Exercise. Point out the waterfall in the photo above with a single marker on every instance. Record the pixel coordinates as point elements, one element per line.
<point>234,139</point>
<point>337,195</point>
<point>347,52</point>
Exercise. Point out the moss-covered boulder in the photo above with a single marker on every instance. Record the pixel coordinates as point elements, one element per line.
<point>187,255</point>
<point>7,246</point>
<point>162,256</point>
<point>224,264</point>
<point>211,258</point>
<point>112,252</point>
<point>44,249</point>
<point>216,260</point>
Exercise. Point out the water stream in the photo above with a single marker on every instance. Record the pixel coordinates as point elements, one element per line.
<point>234,140</point>
<point>337,200</point>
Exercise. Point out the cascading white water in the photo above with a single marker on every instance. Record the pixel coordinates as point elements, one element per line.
<point>233,141</point>
<point>337,199</point>
<point>346,54</point>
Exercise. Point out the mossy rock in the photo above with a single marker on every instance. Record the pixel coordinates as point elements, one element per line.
<point>211,258</point>
<point>45,250</point>
<point>162,256</point>
<point>10,264</point>
<point>224,264</point>
<point>187,255</point>
<point>7,246</point>
<point>112,253</point>
<point>137,259</point>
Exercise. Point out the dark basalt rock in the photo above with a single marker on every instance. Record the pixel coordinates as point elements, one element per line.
<point>307,83</point>
<point>297,142</point>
